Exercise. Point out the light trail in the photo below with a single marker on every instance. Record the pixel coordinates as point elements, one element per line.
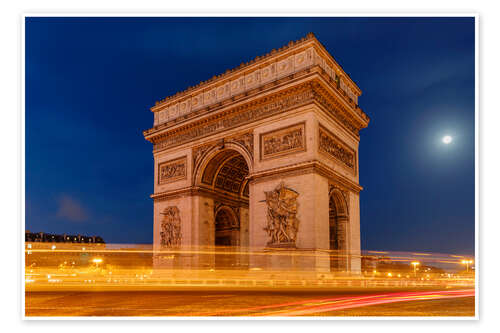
<point>318,305</point>
<point>230,305</point>
<point>33,248</point>
<point>124,267</point>
<point>263,307</point>
<point>342,304</point>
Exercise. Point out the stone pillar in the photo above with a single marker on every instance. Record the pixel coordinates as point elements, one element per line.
<point>354,242</point>
<point>169,257</point>
<point>312,213</point>
<point>343,233</point>
<point>244,237</point>
<point>203,232</point>
<point>203,228</point>
<point>244,227</point>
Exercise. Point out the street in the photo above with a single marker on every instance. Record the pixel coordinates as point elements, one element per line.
<point>450,302</point>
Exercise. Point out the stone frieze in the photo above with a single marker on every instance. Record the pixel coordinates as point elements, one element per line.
<point>248,114</point>
<point>283,141</point>
<point>330,144</point>
<point>173,170</point>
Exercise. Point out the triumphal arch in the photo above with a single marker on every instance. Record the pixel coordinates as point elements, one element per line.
<point>263,156</point>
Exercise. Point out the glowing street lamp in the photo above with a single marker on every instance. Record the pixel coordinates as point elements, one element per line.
<point>97,261</point>
<point>415,264</point>
<point>466,263</point>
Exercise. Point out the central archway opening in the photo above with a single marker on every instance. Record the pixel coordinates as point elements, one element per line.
<point>225,177</point>
<point>226,173</point>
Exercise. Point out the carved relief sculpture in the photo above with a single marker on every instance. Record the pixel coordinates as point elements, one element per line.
<point>282,223</point>
<point>334,147</point>
<point>246,140</point>
<point>246,114</point>
<point>171,235</point>
<point>198,153</point>
<point>172,170</point>
<point>283,141</point>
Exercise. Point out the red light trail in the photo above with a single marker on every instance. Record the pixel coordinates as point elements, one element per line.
<point>314,306</point>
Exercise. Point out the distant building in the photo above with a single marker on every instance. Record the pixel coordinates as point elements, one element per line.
<point>64,238</point>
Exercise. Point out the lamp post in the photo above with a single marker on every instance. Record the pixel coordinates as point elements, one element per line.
<point>467,262</point>
<point>415,264</point>
<point>97,261</point>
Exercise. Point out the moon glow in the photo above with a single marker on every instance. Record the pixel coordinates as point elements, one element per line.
<point>447,139</point>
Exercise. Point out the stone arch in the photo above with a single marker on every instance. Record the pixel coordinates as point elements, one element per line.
<point>339,202</point>
<point>338,229</point>
<point>221,177</point>
<point>225,168</point>
<point>221,150</point>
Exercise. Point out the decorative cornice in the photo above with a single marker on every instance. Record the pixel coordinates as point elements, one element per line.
<point>313,166</point>
<point>343,101</point>
<point>312,90</point>
<point>237,99</point>
<point>231,118</point>
<point>200,191</point>
<point>259,60</point>
<point>303,55</point>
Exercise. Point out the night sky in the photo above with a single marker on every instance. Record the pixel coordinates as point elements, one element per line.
<point>91,81</point>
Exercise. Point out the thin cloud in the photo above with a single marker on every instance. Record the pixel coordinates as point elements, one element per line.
<point>71,210</point>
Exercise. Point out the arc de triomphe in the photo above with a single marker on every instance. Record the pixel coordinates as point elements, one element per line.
<point>264,156</point>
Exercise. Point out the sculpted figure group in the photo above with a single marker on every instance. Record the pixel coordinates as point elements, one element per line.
<point>171,227</point>
<point>282,223</point>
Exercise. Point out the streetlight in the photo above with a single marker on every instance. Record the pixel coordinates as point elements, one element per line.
<point>466,263</point>
<point>415,264</point>
<point>97,261</point>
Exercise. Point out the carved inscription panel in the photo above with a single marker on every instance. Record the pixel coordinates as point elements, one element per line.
<point>334,147</point>
<point>283,141</point>
<point>172,170</point>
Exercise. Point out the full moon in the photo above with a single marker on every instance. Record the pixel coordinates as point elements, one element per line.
<point>447,139</point>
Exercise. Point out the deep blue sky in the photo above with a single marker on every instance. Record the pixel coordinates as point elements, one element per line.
<point>90,83</point>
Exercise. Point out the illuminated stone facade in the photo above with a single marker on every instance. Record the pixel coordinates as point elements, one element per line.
<point>264,156</point>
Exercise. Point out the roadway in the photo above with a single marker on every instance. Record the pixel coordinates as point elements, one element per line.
<point>228,303</point>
